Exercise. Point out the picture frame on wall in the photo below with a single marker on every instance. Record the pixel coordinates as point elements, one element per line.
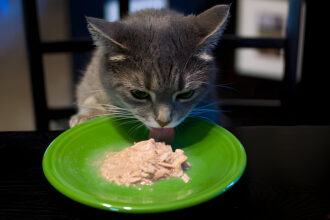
<point>264,19</point>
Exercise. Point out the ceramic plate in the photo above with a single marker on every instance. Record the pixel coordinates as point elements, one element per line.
<point>71,164</point>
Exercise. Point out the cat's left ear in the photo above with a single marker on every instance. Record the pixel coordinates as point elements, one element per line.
<point>211,24</point>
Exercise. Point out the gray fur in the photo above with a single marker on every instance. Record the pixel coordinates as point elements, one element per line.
<point>159,51</point>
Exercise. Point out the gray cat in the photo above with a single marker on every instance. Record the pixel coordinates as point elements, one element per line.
<point>155,66</point>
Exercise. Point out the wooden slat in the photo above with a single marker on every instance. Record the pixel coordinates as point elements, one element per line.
<point>36,71</point>
<point>251,102</point>
<point>123,8</point>
<point>59,113</point>
<point>291,51</point>
<point>252,42</point>
<point>80,46</point>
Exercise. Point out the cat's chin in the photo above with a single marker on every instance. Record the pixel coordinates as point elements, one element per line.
<point>162,134</point>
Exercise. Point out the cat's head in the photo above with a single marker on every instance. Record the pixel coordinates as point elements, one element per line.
<point>158,63</point>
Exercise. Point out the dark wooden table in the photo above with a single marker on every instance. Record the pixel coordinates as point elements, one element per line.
<point>287,177</point>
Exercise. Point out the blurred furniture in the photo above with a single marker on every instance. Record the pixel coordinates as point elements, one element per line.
<point>36,48</point>
<point>287,177</point>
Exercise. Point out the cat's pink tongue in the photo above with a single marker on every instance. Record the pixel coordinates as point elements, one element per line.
<point>162,134</point>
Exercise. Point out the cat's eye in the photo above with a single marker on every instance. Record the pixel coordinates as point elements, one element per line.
<point>185,95</point>
<point>138,94</point>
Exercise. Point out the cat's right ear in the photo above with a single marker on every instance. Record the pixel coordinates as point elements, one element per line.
<point>105,33</point>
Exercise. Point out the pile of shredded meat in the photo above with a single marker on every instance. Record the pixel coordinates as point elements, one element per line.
<point>144,163</point>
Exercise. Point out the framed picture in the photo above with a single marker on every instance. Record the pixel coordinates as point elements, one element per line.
<point>261,18</point>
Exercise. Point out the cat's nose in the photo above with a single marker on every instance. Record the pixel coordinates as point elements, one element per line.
<point>163,115</point>
<point>163,123</point>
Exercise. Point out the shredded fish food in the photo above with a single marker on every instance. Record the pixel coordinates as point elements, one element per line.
<point>144,163</point>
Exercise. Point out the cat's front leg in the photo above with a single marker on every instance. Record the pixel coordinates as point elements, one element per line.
<point>78,119</point>
<point>85,116</point>
<point>88,108</point>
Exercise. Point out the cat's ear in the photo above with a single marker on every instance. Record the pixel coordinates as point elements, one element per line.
<point>211,24</point>
<point>105,33</point>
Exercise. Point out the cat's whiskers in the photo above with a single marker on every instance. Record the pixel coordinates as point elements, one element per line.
<point>200,112</point>
<point>112,116</point>
<point>135,128</point>
<point>114,112</point>
<point>118,112</point>
<point>208,106</point>
<point>198,116</point>
<point>128,122</point>
<point>115,108</point>
<point>226,87</point>
<point>117,117</point>
<point>108,108</point>
<point>223,86</point>
<point>93,116</point>
<point>109,112</point>
<point>204,111</point>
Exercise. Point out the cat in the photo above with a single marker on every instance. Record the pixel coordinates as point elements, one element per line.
<point>155,66</point>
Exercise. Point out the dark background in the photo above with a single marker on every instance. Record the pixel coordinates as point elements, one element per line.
<point>307,105</point>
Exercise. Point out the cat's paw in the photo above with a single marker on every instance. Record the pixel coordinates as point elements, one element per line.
<point>78,119</point>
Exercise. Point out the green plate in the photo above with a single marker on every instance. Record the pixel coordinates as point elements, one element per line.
<point>71,164</point>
